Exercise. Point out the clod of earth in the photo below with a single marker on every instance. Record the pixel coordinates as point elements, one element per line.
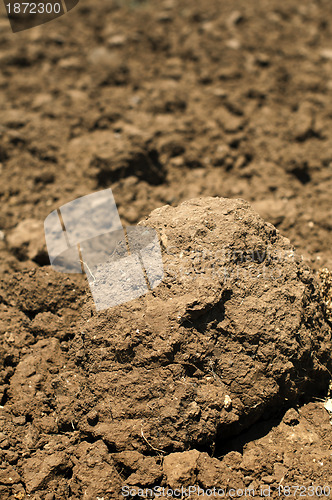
<point>235,332</point>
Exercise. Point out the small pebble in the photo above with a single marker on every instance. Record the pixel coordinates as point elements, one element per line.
<point>19,420</point>
<point>291,417</point>
<point>92,417</point>
<point>227,403</point>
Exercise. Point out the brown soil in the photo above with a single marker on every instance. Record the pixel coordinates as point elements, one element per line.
<point>206,381</point>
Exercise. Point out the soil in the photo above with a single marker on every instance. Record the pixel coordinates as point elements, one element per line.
<point>210,380</point>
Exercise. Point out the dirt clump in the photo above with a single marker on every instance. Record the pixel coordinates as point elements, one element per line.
<point>235,331</point>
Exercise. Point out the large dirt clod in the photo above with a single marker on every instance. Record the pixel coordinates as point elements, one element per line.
<point>235,332</point>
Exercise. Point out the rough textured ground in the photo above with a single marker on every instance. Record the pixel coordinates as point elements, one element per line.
<point>163,103</point>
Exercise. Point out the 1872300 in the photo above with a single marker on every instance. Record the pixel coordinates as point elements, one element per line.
<point>304,491</point>
<point>33,8</point>
<point>25,14</point>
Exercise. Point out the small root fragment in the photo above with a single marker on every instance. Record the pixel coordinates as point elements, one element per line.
<point>325,277</point>
<point>149,444</point>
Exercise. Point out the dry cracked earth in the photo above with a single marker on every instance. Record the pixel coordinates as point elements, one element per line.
<point>211,123</point>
